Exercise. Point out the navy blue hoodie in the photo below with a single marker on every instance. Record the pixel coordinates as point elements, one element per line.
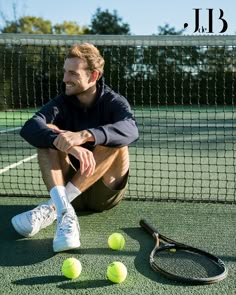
<point>109,119</point>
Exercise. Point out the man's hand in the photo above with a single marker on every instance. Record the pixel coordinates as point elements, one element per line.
<point>86,158</point>
<point>66,140</point>
<point>70,142</point>
<point>55,128</point>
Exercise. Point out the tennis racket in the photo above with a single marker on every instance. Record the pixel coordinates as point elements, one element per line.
<point>183,263</point>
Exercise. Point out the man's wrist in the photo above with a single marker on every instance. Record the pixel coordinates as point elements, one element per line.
<point>88,136</point>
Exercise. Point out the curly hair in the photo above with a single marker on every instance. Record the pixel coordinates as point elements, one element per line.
<point>89,53</point>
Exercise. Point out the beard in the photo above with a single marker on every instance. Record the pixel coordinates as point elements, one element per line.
<point>82,93</point>
<point>72,89</point>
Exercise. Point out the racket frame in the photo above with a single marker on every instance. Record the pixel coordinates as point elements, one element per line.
<point>172,244</point>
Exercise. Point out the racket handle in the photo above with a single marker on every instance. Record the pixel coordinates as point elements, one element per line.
<point>148,227</point>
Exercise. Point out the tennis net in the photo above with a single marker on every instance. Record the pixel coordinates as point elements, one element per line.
<point>182,92</point>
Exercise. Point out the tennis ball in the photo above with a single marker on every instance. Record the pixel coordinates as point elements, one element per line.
<point>116,272</point>
<point>116,241</point>
<point>71,268</point>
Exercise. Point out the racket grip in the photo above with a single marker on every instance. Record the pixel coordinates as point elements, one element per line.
<point>143,223</point>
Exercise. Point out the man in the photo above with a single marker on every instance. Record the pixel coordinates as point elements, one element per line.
<point>82,138</point>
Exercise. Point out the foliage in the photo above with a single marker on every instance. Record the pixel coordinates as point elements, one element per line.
<point>37,25</point>
<point>29,75</point>
<point>69,28</point>
<point>167,30</point>
<point>28,25</point>
<point>106,23</point>
<point>146,75</point>
<point>103,22</point>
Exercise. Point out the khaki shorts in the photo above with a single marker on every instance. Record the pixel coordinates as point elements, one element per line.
<point>99,197</point>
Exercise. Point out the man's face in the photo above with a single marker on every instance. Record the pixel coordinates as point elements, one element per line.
<point>76,76</point>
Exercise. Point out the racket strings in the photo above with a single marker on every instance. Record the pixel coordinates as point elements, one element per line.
<point>185,263</point>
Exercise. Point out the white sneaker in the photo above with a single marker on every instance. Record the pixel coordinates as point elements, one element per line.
<point>31,222</point>
<point>67,235</point>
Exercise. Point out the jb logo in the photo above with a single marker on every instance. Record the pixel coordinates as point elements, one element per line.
<point>199,28</point>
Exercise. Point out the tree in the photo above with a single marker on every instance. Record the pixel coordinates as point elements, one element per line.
<point>167,30</point>
<point>106,23</point>
<point>69,28</point>
<point>28,25</point>
<point>37,25</point>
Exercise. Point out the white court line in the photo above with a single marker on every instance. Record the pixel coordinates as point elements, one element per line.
<point>17,163</point>
<point>10,129</point>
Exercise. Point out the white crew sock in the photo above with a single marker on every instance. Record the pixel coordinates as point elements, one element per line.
<point>59,199</point>
<point>72,191</point>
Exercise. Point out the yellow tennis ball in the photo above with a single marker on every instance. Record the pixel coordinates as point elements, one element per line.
<point>71,268</point>
<point>116,241</point>
<point>116,272</point>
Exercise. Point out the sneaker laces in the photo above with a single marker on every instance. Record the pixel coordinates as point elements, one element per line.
<point>66,223</point>
<point>42,213</point>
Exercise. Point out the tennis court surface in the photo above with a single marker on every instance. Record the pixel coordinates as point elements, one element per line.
<point>182,178</point>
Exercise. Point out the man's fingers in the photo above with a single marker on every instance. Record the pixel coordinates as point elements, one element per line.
<point>86,159</point>
<point>88,163</point>
<point>55,128</point>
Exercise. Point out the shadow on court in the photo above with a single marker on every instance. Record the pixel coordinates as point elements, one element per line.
<point>65,285</point>
<point>87,284</point>
<point>39,280</point>
<point>16,250</point>
<point>141,261</point>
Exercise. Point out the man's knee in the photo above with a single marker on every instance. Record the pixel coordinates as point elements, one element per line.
<point>116,151</point>
<point>117,168</point>
<point>50,154</point>
<point>53,159</point>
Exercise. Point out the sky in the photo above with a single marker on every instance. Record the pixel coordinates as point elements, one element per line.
<point>143,16</point>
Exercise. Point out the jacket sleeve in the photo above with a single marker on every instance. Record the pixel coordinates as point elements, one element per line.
<point>121,130</point>
<point>35,130</point>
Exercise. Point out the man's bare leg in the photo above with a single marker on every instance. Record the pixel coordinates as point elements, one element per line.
<point>55,167</point>
<point>112,165</point>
